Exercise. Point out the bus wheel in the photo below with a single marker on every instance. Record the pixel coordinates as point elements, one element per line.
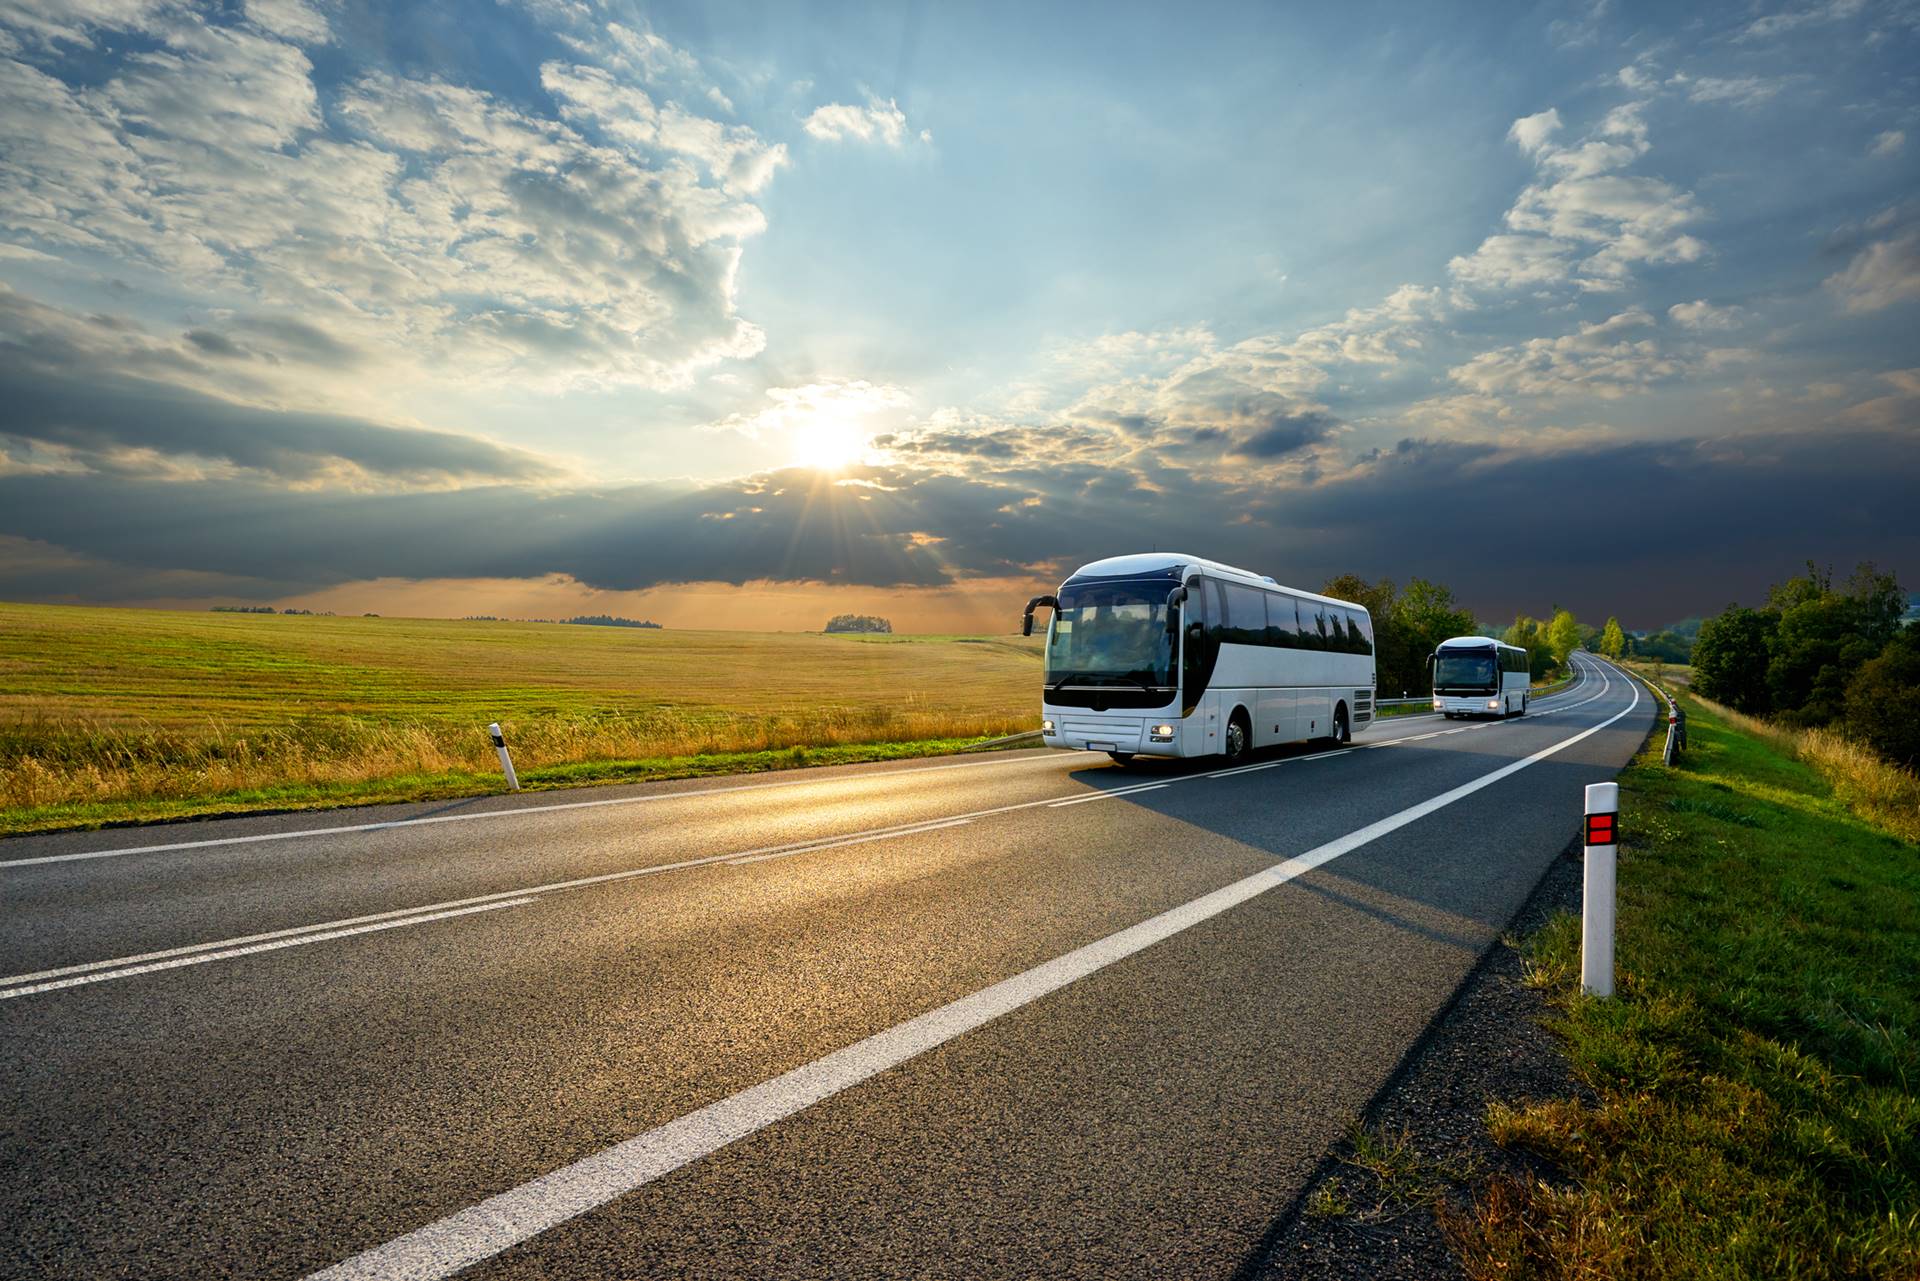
<point>1239,737</point>
<point>1341,734</point>
<point>1121,758</point>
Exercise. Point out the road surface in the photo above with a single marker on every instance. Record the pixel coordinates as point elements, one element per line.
<point>1015,1015</point>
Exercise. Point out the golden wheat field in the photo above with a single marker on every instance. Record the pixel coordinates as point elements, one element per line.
<point>110,714</point>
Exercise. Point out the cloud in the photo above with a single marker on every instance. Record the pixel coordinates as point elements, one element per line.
<point>1514,262</point>
<point>1739,91</point>
<point>292,19</point>
<point>625,114</point>
<point>102,395</point>
<point>1883,274</point>
<point>1701,314</point>
<point>1888,143</point>
<point>1582,220</point>
<point>398,213</point>
<point>1604,359</point>
<point>877,122</point>
<point>1532,132</point>
<point>1777,24</point>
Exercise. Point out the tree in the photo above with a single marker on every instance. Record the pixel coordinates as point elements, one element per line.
<point>858,623</point>
<point>1529,634</point>
<point>1563,636</point>
<point>1731,656</point>
<point>1613,641</point>
<point>1426,614</point>
<point>1883,700</point>
<point>1396,666</point>
<point>1824,635</point>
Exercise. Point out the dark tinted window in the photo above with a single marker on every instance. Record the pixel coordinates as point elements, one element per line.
<point>1246,615</point>
<point>1365,625</point>
<point>1282,622</point>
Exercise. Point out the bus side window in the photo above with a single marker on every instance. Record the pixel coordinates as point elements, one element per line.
<point>1279,620</point>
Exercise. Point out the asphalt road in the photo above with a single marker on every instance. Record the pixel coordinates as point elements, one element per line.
<point>1016,1015</point>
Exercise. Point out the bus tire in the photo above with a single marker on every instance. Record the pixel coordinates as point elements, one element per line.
<point>1239,744</point>
<point>1121,758</point>
<point>1342,732</point>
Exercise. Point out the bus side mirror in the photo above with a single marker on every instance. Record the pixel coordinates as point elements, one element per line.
<point>1175,598</point>
<point>1050,602</point>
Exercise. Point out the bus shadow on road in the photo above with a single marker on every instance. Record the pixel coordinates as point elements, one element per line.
<point>1454,876</point>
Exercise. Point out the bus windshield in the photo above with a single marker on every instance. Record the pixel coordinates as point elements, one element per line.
<point>1463,669</point>
<point>1111,633</point>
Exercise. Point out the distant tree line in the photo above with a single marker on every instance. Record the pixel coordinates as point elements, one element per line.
<point>264,609</point>
<point>583,620</point>
<point>1820,653</point>
<point>608,620</point>
<point>858,623</point>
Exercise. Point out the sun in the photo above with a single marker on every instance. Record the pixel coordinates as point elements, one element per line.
<point>828,444</point>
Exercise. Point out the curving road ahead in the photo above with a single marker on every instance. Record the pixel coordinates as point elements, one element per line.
<point>1024,1014</point>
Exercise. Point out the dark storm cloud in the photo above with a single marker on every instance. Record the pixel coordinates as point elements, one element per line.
<point>63,397</point>
<point>216,344</point>
<point>1649,531</point>
<point>1283,434</point>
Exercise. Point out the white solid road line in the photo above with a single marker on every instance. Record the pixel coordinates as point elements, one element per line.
<point>525,810</point>
<point>202,958</point>
<point>481,1231</point>
<point>856,840</point>
<point>1103,796</point>
<point>131,966</point>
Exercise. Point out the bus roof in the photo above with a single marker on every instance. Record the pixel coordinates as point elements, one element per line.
<point>1141,564</point>
<point>1474,642</point>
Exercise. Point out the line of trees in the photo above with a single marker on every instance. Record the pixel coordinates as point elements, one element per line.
<point>858,623</point>
<point>1821,654</point>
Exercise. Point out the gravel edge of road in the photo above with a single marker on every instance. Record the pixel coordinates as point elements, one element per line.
<point>1373,1211</point>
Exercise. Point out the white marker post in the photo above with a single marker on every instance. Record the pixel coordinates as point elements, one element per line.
<point>506,761</point>
<point>1596,913</point>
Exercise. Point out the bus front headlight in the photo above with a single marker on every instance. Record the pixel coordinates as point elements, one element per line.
<point>1046,727</point>
<point>1161,733</point>
<point>1493,704</point>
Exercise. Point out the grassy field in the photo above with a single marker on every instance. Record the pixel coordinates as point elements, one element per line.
<point>1757,1074</point>
<point>111,715</point>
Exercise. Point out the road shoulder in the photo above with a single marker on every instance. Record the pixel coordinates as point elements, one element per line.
<point>1377,1204</point>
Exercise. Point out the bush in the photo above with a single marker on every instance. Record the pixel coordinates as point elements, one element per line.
<point>1883,701</point>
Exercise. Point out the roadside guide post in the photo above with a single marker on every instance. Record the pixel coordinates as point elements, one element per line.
<point>506,761</point>
<point>1601,838</point>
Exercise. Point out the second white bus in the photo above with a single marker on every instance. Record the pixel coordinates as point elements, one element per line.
<point>1172,655</point>
<point>1480,676</point>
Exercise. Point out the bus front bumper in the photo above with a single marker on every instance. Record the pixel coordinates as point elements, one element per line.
<point>1091,732</point>
<point>1467,704</point>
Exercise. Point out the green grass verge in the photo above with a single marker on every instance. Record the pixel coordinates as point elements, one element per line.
<point>1756,1073</point>
<point>456,784</point>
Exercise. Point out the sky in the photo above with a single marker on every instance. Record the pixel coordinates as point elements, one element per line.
<point>742,315</point>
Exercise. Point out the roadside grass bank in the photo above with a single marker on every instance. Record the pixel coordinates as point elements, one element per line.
<point>113,715</point>
<point>1753,1109</point>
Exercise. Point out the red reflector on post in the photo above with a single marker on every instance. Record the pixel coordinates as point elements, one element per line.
<point>1600,829</point>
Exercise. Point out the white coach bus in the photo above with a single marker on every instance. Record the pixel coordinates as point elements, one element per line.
<point>1171,655</point>
<point>1480,676</point>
